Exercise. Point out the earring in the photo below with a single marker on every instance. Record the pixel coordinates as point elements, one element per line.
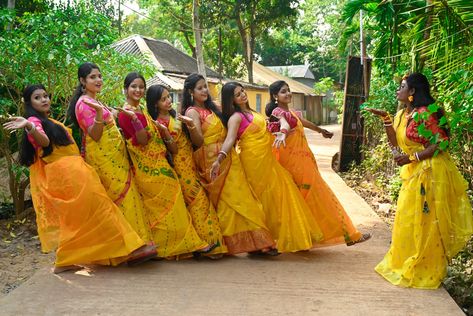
<point>82,89</point>
<point>276,101</point>
<point>192,99</point>
<point>410,98</point>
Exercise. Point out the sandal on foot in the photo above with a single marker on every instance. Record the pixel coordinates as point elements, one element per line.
<point>208,249</point>
<point>363,238</point>
<point>271,253</point>
<point>141,255</point>
<point>215,257</point>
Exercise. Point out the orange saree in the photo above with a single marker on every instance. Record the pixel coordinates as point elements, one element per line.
<point>298,159</point>
<point>75,216</point>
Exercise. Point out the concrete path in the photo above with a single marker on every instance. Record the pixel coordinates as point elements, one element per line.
<point>331,281</point>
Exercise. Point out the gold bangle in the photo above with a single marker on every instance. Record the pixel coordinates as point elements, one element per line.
<point>190,128</point>
<point>413,157</point>
<point>98,122</point>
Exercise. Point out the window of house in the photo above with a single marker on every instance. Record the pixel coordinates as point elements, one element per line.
<point>258,102</point>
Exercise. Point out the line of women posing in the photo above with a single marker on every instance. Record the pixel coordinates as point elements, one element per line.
<point>173,185</point>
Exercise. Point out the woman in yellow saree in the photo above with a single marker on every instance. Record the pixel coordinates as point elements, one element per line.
<point>240,214</point>
<point>434,216</point>
<point>73,212</point>
<point>171,225</point>
<point>288,217</point>
<point>104,149</point>
<point>297,158</point>
<point>203,214</point>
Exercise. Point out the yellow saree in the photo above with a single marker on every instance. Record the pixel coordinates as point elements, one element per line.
<point>110,159</point>
<point>75,216</point>
<point>288,217</point>
<point>433,219</point>
<point>240,214</point>
<point>298,159</point>
<point>203,214</point>
<point>171,226</point>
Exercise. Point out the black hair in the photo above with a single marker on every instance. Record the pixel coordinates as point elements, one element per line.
<point>274,88</point>
<point>57,135</point>
<point>422,96</point>
<point>132,76</point>
<point>228,106</point>
<point>153,95</point>
<point>84,70</point>
<point>189,84</point>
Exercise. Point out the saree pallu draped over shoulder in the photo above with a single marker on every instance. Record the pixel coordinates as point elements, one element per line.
<point>288,217</point>
<point>241,215</point>
<point>203,214</point>
<point>433,218</point>
<point>171,225</point>
<point>74,214</point>
<point>297,158</point>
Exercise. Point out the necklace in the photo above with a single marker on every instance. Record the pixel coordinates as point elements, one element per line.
<point>408,115</point>
<point>131,107</point>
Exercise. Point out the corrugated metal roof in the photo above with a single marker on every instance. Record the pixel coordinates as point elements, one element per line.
<point>294,71</point>
<point>266,76</point>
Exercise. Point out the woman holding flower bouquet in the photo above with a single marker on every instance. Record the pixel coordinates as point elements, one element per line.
<point>434,217</point>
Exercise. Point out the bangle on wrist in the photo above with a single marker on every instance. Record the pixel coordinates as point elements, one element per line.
<point>170,140</point>
<point>98,122</point>
<point>388,124</point>
<point>223,153</point>
<point>284,130</point>
<point>31,130</point>
<point>414,157</point>
<point>190,128</point>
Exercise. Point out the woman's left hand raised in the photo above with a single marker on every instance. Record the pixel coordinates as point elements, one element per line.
<point>14,123</point>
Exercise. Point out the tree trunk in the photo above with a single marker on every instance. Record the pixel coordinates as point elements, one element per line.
<point>10,5</point>
<point>198,39</point>
<point>189,43</point>
<point>429,10</point>
<point>245,39</point>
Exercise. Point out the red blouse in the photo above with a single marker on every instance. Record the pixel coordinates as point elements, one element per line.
<point>287,115</point>
<point>431,124</point>
<point>128,131</point>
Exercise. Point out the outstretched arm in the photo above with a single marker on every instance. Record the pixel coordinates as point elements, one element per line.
<point>312,126</point>
<point>18,122</point>
<point>388,125</point>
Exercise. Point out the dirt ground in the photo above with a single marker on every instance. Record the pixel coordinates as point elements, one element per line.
<point>379,201</point>
<point>20,254</point>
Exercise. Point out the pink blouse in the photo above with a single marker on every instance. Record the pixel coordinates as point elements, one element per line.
<point>85,114</point>
<point>245,122</point>
<point>39,127</point>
